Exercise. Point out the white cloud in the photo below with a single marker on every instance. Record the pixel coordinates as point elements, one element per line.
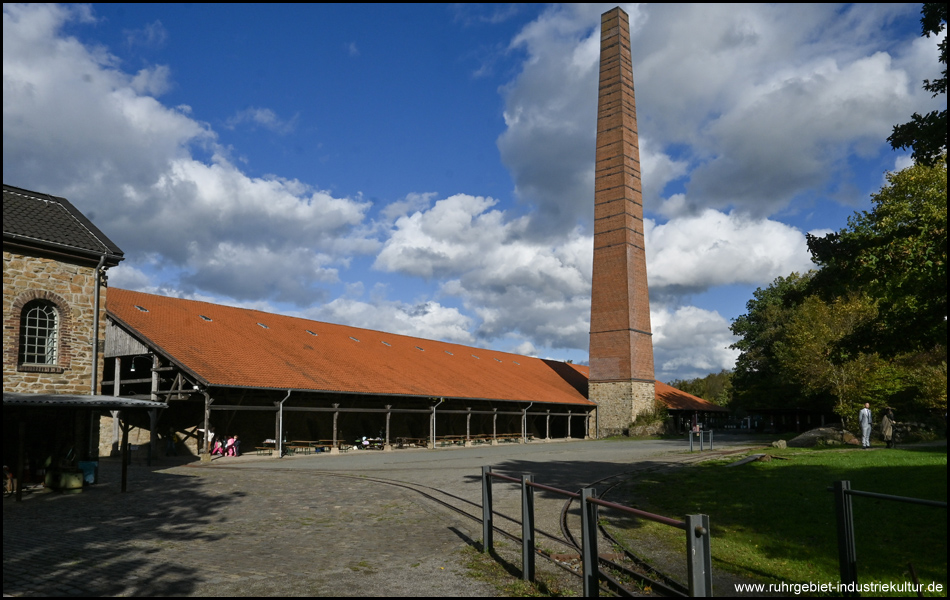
<point>511,282</point>
<point>694,253</point>
<point>690,342</point>
<point>130,164</point>
<point>429,320</point>
<point>153,82</point>
<point>265,118</point>
<point>751,108</point>
<point>152,35</point>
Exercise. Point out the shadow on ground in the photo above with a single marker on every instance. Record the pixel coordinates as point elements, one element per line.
<point>87,544</point>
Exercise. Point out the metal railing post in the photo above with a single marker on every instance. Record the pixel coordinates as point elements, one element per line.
<point>689,436</point>
<point>487,525</point>
<point>699,559</point>
<point>710,439</point>
<point>527,528</point>
<point>589,537</point>
<point>847,556</point>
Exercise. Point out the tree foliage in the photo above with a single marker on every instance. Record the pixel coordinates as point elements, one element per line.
<point>759,380</point>
<point>927,134</point>
<point>870,324</point>
<point>810,353</point>
<point>897,254</point>
<point>715,387</point>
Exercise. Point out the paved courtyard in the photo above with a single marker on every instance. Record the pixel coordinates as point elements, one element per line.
<point>253,526</point>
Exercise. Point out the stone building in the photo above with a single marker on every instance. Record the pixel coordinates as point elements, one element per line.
<point>54,263</point>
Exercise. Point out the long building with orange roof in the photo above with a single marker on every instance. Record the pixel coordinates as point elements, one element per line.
<point>220,366</point>
<point>268,376</point>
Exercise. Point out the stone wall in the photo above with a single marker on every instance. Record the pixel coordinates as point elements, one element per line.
<point>71,288</point>
<point>618,404</point>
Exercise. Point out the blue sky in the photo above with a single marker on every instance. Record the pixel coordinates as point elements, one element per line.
<point>428,169</point>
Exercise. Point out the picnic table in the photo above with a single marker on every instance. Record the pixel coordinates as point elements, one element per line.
<point>409,442</point>
<point>370,443</point>
<point>308,446</point>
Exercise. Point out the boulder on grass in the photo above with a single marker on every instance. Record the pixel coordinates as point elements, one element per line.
<point>779,444</point>
<point>823,436</point>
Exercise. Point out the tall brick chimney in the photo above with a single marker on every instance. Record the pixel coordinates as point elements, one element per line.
<point>621,343</point>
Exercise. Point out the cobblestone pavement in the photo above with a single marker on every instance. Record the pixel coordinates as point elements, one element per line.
<point>252,526</point>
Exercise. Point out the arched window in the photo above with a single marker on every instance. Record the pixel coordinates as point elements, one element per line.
<point>39,333</point>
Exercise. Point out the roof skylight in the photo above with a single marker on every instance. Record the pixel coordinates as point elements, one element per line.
<point>387,344</point>
<point>141,308</point>
<point>354,339</point>
<point>310,332</point>
<point>264,326</point>
<point>205,318</point>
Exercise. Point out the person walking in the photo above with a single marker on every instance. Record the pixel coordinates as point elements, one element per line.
<point>887,427</point>
<point>864,418</point>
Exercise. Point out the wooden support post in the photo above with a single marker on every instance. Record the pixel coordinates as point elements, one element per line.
<point>336,416</point>
<point>494,427</point>
<point>387,447</point>
<point>468,427</point>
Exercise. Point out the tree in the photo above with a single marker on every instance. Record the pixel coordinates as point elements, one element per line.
<point>809,353</point>
<point>927,134</point>
<point>897,255</point>
<point>760,380</point>
<point>715,387</point>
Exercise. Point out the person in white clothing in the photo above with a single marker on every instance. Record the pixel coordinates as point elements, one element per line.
<point>864,418</point>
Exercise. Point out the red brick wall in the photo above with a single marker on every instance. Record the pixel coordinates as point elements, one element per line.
<point>621,345</point>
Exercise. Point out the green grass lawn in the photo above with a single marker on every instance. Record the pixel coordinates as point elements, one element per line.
<point>775,521</point>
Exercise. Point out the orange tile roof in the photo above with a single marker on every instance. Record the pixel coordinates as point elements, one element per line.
<point>675,399</point>
<point>239,347</point>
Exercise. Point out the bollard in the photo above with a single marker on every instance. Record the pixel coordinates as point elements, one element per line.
<point>527,528</point>
<point>487,525</point>
<point>847,555</point>
<point>698,556</point>
<point>589,537</point>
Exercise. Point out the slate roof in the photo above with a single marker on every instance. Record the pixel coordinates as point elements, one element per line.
<point>239,347</point>
<point>50,223</point>
<point>675,399</point>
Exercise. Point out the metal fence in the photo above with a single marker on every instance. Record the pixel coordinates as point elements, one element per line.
<point>847,553</point>
<point>701,435</point>
<point>699,560</point>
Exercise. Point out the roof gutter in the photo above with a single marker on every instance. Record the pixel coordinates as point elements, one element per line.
<point>95,330</point>
<point>280,425</point>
